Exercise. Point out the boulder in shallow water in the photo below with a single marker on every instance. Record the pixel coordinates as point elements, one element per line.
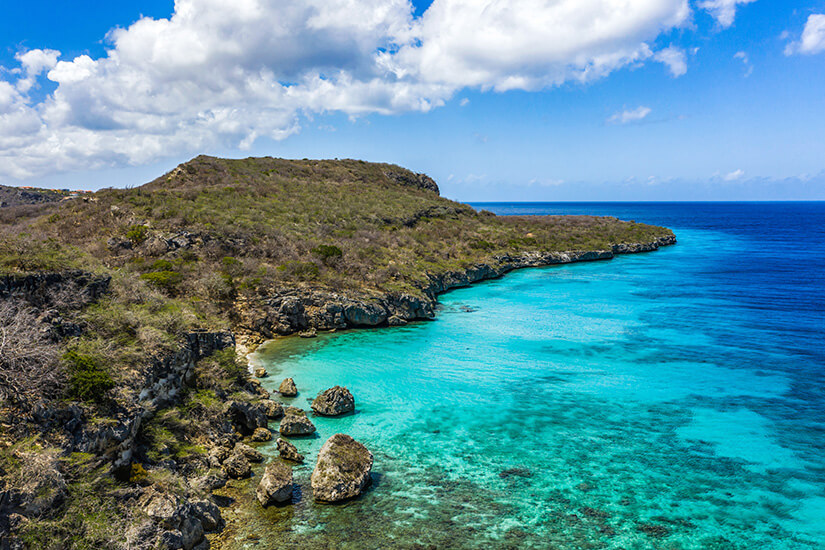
<point>296,424</point>
<point>294,411</point>
<point>275,485</point>
<point>237,466</point>
<point>261,434</point>
<point>260,372</point>
<point>251,454</point>
<point>288,388</point>
<point>334,402</point>
<point>288,451</point>
<point>342,471</point>
<point>272,409</point>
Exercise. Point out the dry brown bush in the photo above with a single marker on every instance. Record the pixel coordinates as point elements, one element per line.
<point>29,359</point>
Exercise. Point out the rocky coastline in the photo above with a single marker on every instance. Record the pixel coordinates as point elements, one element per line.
<point>306,310</point>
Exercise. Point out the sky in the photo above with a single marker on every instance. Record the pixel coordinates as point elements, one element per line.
<point>498,100</point>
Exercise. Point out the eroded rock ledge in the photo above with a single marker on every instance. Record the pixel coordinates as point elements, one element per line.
<point>289,311</point>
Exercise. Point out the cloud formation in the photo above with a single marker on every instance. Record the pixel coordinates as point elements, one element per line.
<point>724,11</point>
<point>628,116</point>
<point>813,37</point>
<point>675,59</point>
<point>746,61</point>
<point>220,74</point>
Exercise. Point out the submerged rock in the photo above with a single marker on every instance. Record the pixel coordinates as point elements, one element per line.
<point>237,466</point>
<point>342,471</point>
<point>518,471</point>
<point>275,485</point>
<point>288,388</point>
<point>296,423</point>
<point>334,402</point>
<point>653,530</point>
<point>261,434</point>
<point>288,451</point>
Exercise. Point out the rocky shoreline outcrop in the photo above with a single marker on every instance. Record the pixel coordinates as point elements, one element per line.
<point>295,423</point>
<point>342,471</point>
<point>335,401</point>
<point>296,310</point>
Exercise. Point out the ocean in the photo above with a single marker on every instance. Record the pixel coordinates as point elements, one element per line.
<point>671,400</point>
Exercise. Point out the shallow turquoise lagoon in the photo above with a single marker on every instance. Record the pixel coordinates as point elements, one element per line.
<point>653,401</point>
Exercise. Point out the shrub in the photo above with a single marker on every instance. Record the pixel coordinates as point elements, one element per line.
<point>138,474</point>
<point>228,262</point>
<point>161,265</point>
<point>300,270</point>
<point>166,280</point>
<point>328,253</point>
<point>88,381</point>
<point>137,233</point>
<point>28,356</point>
<point>481,244</point>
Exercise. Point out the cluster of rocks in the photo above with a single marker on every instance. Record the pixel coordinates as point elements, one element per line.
<point>177,523</point>
<point>343,467</point>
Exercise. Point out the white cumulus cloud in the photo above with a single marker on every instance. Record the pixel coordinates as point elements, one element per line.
<point>223,74</point>
<point>813,37</point>
<point>628,116</point>
<point>674,58</point>
<point>724,11</point>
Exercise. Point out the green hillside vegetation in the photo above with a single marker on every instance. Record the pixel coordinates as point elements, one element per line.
<point>276,222</point>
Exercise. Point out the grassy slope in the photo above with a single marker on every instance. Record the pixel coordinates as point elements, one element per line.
<point>270,214</point>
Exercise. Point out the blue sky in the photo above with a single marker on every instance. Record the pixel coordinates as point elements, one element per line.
<point>508,110</point>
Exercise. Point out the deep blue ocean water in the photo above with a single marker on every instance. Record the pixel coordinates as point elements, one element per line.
<point>671,400</point>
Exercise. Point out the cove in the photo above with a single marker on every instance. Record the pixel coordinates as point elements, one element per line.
<point>644,402</point>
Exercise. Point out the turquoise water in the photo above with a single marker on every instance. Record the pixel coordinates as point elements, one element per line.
<point>667,400</point>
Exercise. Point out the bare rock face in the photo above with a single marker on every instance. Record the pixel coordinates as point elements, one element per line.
<point>334,402</point>
<point>275,485</point>
<point>288,451</point>
<point>342,471</point>
<point>288,388</point>
<point>237,466</point>
<point>248,452</point>
<point>295,422</point>
<point>261,434</point>
<point>272,409</point>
